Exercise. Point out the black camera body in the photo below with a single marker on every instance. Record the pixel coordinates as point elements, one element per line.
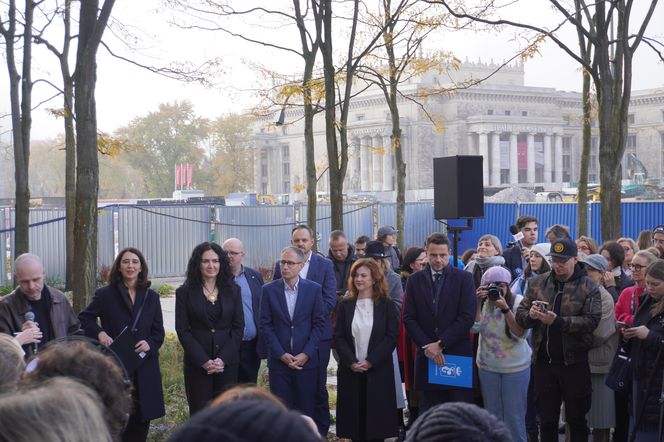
<point>494,292</point>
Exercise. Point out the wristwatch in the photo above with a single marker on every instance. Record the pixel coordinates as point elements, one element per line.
<point>504,311</point>
<point>441,345</point>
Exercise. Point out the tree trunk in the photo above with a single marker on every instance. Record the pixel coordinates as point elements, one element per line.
<point>70,148</point>
<point>91,30</point>
<point>582,188</point>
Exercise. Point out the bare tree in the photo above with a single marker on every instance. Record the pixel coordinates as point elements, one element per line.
<point>92,23</point>
<point>20,94</point>
<point>609,66</point>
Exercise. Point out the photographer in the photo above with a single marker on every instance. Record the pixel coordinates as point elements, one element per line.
<point>503,355</point>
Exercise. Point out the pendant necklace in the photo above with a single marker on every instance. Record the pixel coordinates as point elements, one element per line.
<point>211,295</point>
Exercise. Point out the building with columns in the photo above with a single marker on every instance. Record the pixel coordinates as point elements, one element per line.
<point>528,136</point>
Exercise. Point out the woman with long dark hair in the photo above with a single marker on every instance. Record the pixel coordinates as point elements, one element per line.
<point>127,304</point>
<point>209,322</point>
<point>365,336</point>
<point>645,347</point>
<point>503,355</point>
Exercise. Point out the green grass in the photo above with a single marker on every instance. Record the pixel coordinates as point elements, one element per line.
<point>165,290</point>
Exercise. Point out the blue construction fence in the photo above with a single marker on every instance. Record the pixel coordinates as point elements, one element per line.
<point>498,217</point>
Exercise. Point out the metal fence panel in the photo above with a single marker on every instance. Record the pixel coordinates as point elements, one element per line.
<point>638,216</point>
<point>106,236</point>
<point>4,250</point>
<point>387,216</point>
<point>419,223</point>
<point>264,231</point>
<point>165,234</point>
<point>358,220</point>
<point>549,214</point>
<point>48,241</point>
<point>498,217</point>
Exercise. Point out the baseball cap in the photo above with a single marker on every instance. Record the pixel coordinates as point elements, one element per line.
<point>658,229</point>
<point>563,248</point>
<point>597,262</point>
<point>386,230</point>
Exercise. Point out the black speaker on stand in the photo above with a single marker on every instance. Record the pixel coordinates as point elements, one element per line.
<point>458,193</point>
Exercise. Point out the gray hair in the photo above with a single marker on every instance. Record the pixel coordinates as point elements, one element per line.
<point>295,250</point>
<point>649,257</point>
<point>494,240</point>
<point>26,258</point>
<point>232,241</point>
<point>11,362</point>
<point>63,408</point>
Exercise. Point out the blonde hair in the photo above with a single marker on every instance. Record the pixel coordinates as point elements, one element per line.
<point>11,362</point>
<point>61,408</point>
<point>242,392</point>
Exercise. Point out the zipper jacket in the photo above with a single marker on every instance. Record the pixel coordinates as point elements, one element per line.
<point>578,307</point>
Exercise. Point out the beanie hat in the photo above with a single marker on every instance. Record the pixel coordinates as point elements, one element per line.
<point>250,420</point>
<point>543,249</point>
<point>455,421</point>
<point>496,274</point>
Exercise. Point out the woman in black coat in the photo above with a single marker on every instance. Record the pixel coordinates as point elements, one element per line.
<point>365,336</point>
<point>646,348</point>
<point>209,322</point>
<point>117,305</point>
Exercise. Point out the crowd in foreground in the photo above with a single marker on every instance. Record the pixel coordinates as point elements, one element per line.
<point>544,324</point>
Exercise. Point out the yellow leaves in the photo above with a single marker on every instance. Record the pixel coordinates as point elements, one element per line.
<point>532,49</point>
<point>59,112</point>
<point>299,188</point>
<point>109,145</point>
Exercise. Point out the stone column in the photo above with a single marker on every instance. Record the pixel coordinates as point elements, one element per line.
<point>376,161</point>
<point>547,158</point>
<point>388,163</point>
<point>365,170</point>
<point>484,151</point>
<point>470,146</point>
<point>495,159</point>
<point>514,159</point>
<point>558,164</point>
<point>531,158</point>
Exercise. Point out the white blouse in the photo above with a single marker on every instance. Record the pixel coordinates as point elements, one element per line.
<point>361,327</point>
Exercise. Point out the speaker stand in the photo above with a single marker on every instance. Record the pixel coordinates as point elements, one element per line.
<point>455,231</point>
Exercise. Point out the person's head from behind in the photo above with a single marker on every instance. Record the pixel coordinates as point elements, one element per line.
<point>644,240</point>
<point>245,392</point>
<point>458,421</point>
<point>58,410</point>
<point>556,232</point>
<point>614,254</point>
<point>250,420</point>
<point>468,255</point>
<point>11,363</point>
<point>361,244</point>
<point>437,246</point>
<point>82,361</point>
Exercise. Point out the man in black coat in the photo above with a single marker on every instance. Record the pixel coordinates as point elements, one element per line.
<point>516,257</point>
<point>342,256</point>
<point>250,283</point>
<point>439,310</point>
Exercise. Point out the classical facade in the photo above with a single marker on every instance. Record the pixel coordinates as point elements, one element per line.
<point>528,136</point>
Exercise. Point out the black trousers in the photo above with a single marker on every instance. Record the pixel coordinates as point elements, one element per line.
<point>558,383</point>
<point>249,363</point>
<point>136,429</point>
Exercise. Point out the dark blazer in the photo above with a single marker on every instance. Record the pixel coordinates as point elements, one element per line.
<point>111,304</point>
<point>322,272</point>
<point>380,394</point>
<point>255,281</point>
<point>202,340</point>
<point>451,322</point>
<point>513,261</point>
<point>299,335</point>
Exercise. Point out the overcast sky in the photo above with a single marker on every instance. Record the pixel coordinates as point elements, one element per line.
<point>125,91</point>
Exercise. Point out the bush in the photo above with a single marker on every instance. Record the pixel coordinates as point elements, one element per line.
<point>165,290</point>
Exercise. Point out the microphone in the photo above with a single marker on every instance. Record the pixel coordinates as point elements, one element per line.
<point>517,236</point>
<point>30,316</point>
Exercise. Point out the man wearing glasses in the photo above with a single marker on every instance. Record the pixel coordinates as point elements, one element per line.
<point>563,307</point>
<point>292,321</point>
<point>658,239</point>
<point>250,283</point>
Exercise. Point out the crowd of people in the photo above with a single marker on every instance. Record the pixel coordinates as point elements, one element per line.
<point>559,326</point>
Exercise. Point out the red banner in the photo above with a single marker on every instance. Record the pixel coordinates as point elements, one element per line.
<point>177,176</point>
<point>190,173</point>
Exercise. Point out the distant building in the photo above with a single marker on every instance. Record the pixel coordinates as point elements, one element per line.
<point>528,136</point>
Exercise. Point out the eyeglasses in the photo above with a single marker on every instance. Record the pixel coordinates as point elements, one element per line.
<point>658,240</point>
<point>235,253</point>
<point>284,263</point>
<point>636,267</point>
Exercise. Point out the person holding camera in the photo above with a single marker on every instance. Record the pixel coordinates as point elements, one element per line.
<point>503,355</point>
<point>563,307</point>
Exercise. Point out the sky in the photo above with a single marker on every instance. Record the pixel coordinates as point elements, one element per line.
<point>125,91</point>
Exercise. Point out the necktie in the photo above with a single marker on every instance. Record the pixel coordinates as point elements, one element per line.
<point>437,284</point>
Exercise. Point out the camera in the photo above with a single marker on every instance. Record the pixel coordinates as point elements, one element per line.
<point>494,292</point>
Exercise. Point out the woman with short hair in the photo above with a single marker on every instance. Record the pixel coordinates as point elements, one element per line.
<point>489,254</point>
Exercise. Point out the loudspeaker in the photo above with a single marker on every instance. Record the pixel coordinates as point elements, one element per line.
<point>458,187</point>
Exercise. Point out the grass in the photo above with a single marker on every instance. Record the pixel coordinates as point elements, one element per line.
<point>165,290</point>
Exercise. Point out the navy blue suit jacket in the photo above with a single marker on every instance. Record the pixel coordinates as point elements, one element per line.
<point>298,335</point>
<point>513,261</point>
<point>255,281</point>
<point>321,271</point>
<point>113,307</point>
<point>450,322</point>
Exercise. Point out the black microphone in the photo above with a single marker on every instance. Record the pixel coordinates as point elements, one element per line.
<point>30,316</point>
<point>517,236</point>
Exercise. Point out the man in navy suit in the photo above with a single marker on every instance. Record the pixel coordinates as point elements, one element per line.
<point>251,283</point>
<point>439,310</point>
<point>516,258</point>
<point>292,322</point>
<point>318,269</point>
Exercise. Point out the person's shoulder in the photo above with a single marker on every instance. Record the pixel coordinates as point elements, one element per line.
<point>307,284</point>
<point>56,294</point>
<point>273,285</point>
<point>251,273</point>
